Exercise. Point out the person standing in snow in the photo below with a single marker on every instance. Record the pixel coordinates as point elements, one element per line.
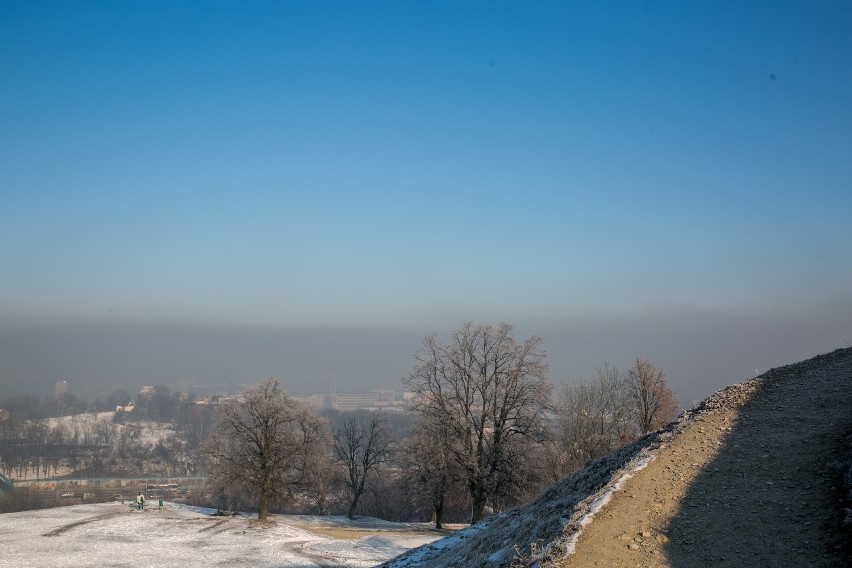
<point>140,500</point>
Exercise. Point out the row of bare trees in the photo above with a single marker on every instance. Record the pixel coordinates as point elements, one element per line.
<point>31,444</point>
<point>161,404</point>
<point>485,402</point>
<point>274,449</point>
<point>86,445</point>
<point>487,433</point>
<point>35,448</point>
<point>595,417</point>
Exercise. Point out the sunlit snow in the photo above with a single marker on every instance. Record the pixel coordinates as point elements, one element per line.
<point>112,534</point>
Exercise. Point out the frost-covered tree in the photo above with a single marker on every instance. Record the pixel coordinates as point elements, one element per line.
<point>489,390</point>
<point>264,445</point>
<point>594,417</point>
<point>654,402</point>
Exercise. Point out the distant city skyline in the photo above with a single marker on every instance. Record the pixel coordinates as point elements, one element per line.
<point>224,191</point>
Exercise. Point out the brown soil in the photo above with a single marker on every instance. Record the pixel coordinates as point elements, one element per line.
<point>751,480</point>
<point>356,533</point>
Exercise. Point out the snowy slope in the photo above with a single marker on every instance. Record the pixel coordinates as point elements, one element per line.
<point>111,534</point>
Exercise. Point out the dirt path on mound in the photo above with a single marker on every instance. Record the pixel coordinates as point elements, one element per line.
<point>751,481</point>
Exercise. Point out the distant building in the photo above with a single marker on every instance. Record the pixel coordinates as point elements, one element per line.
<point>384,397</point>
<point>146,391</point>
<point>4,414</point>
<point>348,401</point>
<point>60,390</point>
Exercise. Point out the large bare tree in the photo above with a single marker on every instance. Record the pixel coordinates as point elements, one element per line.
<point>489,389</point>
<point>264,444</point>
<point>655,403</point>
<point>361,444</point>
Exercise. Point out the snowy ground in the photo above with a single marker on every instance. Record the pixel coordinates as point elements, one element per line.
<point>150,432</point>
<point>111,534</point>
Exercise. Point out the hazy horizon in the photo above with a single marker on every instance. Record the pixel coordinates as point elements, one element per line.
<point>700,353</point>
<point>222,191</point>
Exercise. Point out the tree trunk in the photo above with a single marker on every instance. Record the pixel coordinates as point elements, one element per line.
<point>478,510</point>
<point>263,510</point>
<point>477,495</point>
<point>354,505</point>
<point>265,492</point>
<point>439,512</point>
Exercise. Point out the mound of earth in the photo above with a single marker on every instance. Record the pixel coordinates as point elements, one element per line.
<point>759,474</point>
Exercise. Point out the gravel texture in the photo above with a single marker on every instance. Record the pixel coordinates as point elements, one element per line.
<point>752,477</point>
<point>759,474</point>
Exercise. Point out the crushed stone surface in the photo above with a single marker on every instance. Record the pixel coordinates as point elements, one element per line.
<point>752,477</point>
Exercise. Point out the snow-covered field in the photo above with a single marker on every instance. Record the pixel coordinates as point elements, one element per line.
<point>111,534</point>
<point>150,432</point>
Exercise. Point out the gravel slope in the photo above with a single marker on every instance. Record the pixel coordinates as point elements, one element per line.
<point>751,477</point>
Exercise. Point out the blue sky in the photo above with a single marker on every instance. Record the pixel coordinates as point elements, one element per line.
<point>412,165</point>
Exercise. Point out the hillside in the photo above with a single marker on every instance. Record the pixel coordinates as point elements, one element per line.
<point>753,476</point>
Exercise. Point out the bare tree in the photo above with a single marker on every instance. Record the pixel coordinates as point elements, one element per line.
<point>361,444</point>
<point>321,494</point>
<point>593,418</point>
<point>430,469</point>
<point>264,444</point>
<point>488,389</point>
<point>655,403</point>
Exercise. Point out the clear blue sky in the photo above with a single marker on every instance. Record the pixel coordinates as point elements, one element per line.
<point>413,165</point>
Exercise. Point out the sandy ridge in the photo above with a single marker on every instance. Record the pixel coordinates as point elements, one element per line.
<point>748,478</point>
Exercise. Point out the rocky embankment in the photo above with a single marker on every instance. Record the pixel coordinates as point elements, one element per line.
<point>759,474</point>
<point>753,477</point>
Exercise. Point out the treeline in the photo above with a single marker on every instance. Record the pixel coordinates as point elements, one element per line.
<point>610,410</point>
<point>485,433</point>
<point>159,404</point>
<point>36,443</point>
<point>271,453</point>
